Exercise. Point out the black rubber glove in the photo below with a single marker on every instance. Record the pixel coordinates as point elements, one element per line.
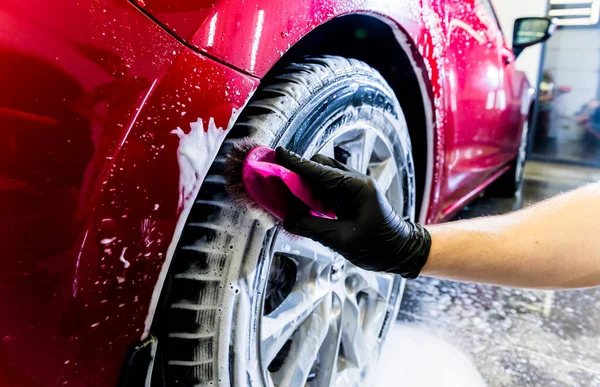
<point>367,232</point>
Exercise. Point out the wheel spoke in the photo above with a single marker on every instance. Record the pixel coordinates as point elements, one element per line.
<point>328,149</point>
<point>352,338</point>
<point>278,326</point>
<point>360,331</point>
<point>360,147</point>
<point>330,348</point>
<point>303,353</point>
<point>367,281</point>
<point>311,259</point>
<point>384,173</point>
<point>368,144</point>
<point>302,250</point>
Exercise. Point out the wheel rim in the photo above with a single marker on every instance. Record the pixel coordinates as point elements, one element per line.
<point>522,155</point>
<point>322,317</point>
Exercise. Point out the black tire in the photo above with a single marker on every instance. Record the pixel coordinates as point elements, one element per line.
<point>510,183</point>
<point>212,292</point>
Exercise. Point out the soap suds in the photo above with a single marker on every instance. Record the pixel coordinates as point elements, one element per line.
<point>195,154</point>
<point>196,151</point>
<point>122,258</point>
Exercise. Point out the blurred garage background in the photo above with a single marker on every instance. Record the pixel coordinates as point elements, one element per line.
<point>475,335</point>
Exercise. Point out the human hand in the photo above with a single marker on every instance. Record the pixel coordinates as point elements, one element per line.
<point>367,232</point>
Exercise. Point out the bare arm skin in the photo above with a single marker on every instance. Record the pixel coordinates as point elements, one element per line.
<point>554,244</point>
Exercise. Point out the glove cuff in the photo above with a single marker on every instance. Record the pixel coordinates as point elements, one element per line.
<point>421,245</point>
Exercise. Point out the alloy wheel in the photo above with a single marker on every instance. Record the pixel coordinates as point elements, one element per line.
<point>322,317</point>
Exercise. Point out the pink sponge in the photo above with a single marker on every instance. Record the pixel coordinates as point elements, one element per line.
<point>277,189</point>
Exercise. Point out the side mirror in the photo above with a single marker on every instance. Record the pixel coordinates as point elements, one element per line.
<point>531,30</point>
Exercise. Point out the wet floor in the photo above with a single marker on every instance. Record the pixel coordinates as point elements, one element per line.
<point>457,334</point>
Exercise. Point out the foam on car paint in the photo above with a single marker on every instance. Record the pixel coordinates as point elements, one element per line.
<point>196,151</point>
<point>195,154</point>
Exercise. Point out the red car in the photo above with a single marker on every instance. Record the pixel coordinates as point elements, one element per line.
<point>124,261</point>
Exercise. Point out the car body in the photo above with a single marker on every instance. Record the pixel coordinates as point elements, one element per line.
<point>99,163</point>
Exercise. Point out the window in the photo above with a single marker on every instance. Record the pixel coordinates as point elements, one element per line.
<point>575,12</point>
<point>490,10</point>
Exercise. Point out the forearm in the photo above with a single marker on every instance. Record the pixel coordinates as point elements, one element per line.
<point>554,244</point>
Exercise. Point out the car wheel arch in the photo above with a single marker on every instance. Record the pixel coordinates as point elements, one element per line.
<point>365,36</point>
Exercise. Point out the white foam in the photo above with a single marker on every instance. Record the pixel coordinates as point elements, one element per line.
<point>195,154</point>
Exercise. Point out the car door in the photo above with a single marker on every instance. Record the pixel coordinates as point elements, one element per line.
<point>518,94</point>
<point>477,100</point>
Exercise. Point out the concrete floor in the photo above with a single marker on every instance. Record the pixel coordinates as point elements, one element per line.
<point>458,334</point>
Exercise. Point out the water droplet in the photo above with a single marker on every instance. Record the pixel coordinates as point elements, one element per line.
<point>106,241</point>
<point>122,259</point>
